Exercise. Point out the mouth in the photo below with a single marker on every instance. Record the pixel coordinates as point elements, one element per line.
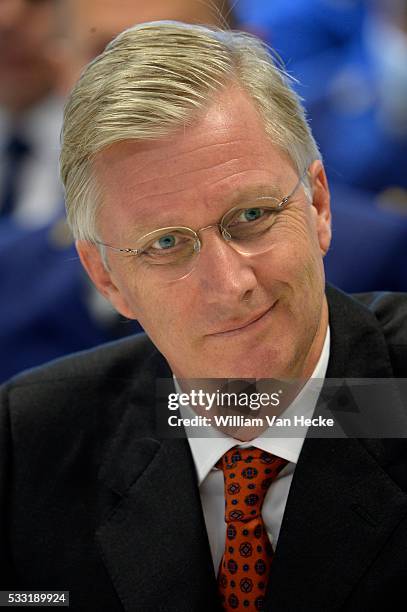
<point>251,324</point>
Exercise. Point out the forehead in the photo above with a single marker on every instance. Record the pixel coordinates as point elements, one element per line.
<point>200,169</point>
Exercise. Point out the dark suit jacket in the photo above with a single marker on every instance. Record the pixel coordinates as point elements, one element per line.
<point>93,502</point>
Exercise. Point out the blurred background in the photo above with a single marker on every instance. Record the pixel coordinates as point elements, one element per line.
<point>349,62</point>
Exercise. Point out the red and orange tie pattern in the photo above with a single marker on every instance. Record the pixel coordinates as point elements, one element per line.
<point>246,562</point>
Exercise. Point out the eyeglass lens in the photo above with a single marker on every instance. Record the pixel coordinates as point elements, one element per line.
<point>172,253</point>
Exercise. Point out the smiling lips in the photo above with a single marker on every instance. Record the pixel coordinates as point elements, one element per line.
<point>244,325</point>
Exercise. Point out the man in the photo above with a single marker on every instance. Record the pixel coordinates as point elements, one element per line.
<point>201,208</point>
<point>30,113</point>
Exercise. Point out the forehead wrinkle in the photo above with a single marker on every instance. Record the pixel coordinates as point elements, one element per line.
<point>195,164</point>
<point>258,187</point>
<point>188,172</point>
<point>148,167</point>
<point>213,146</point>
<point>156,151</point>
<point>232,198</point>
<point>157,215</point>
<point>154,200</point>
<point>186,179</point>
<point>255,191</point>
<point>157,206</point>
<point>197,148</point>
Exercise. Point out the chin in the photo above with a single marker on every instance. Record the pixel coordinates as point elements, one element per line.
<point>256,365</point>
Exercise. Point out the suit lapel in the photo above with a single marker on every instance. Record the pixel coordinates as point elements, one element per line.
<point>154,544</point>
<point>153,538</point>
<point>343,505</point>
<point>341,510</point>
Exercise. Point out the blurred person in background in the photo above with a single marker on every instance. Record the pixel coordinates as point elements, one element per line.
<point>350,58</point>
<point>365,102</point>
<point>30,113</point>
<point>36,68</point>
<point>88,25</point>
<point>43,260</point>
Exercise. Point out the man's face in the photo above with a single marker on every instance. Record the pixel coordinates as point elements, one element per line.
<point>192,179</point>
<point>27,70</point>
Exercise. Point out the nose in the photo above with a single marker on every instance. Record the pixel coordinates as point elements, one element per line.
<point>222,272</point>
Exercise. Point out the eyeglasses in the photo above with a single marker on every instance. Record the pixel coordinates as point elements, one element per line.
<point>171,253</point>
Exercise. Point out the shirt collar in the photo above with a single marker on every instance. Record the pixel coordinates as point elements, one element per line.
<point>207,451</point>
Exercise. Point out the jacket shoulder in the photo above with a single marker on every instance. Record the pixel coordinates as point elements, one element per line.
<point>117,359</point>
<point>71,393</point>
<point>390,311</point>
<point>60,419</point>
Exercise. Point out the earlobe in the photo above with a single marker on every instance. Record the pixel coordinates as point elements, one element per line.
<point>91,260</point>
<point>321,204</point>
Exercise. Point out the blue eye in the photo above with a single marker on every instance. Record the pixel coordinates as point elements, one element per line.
<point>252,214</point>
<point>166,242</point>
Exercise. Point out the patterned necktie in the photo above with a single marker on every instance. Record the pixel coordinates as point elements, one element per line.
<point>246,562</point>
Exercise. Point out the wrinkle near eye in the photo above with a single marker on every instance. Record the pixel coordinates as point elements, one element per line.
<point>292,222</point>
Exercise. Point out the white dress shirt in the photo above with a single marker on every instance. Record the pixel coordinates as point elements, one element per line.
<point>39,195</point>
<point>207,451</point>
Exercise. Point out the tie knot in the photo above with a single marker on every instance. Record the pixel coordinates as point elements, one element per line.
<point>248,474</point>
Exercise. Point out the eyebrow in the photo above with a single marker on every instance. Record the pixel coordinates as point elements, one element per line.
<point>239,197</point>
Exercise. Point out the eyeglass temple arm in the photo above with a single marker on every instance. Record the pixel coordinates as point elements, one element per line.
<point>286,198</point>
<point>119,250</point>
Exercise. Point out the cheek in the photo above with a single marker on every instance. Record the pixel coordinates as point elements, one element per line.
<point>294,260</point>
<point>165,310</point>
<point>161,310</point>
<point>293,271</point>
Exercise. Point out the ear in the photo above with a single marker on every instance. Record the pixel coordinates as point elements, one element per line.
<point>321,204</point>
<point>102,278</point>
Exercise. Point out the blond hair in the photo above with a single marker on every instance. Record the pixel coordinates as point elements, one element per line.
<point>156,77</point>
